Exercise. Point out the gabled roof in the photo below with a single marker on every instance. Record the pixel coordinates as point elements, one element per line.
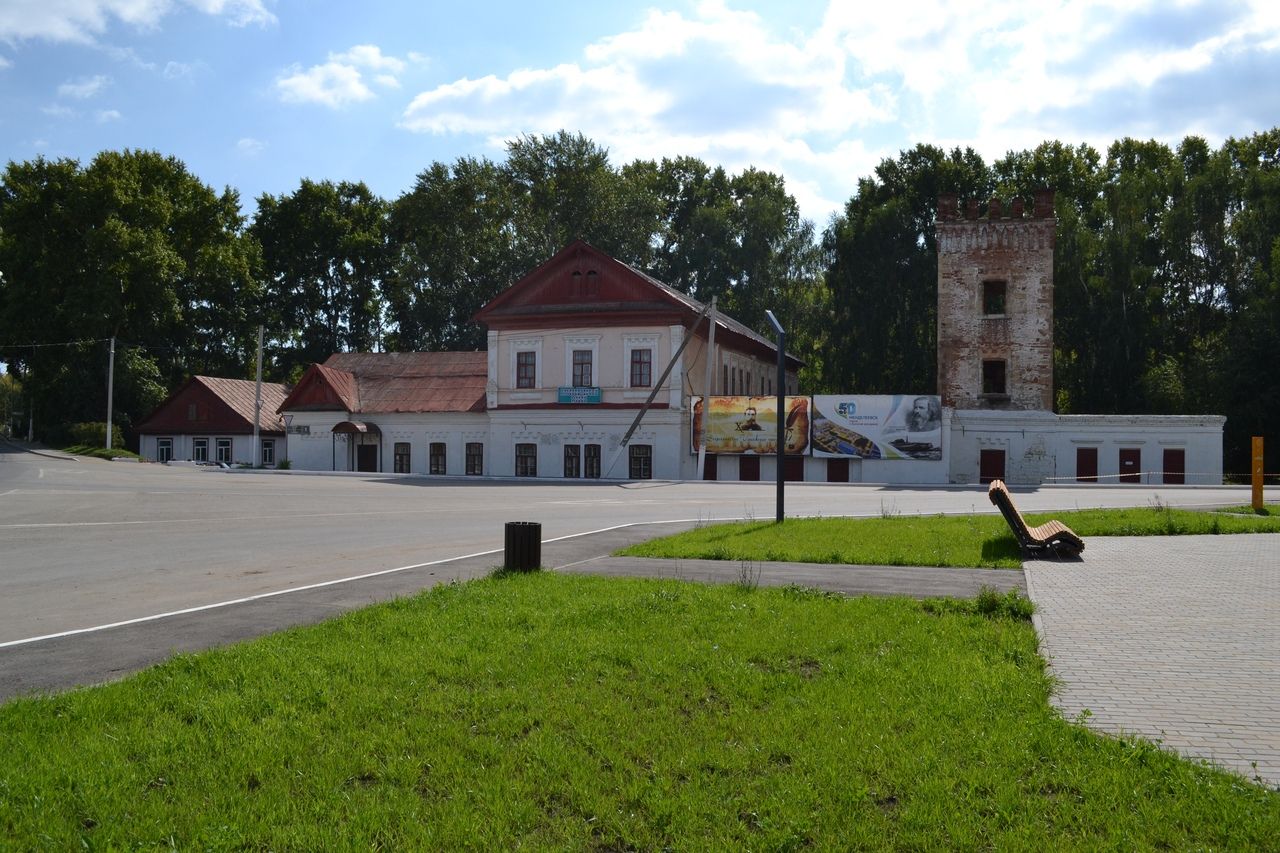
<point>582,285</point>
<point>219,405</point>
<point>382,382</point>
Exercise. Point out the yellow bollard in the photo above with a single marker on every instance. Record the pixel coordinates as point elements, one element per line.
<point>1257,473</point>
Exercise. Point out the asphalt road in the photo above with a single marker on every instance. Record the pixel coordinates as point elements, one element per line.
<point>85,542</point>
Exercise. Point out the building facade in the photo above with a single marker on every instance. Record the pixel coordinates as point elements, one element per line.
<point>995,368</point>
<point>210,420</point>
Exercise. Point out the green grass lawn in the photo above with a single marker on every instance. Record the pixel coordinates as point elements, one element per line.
<point>1247,509</point>
<point>550,711</point>
<point>938,540</point>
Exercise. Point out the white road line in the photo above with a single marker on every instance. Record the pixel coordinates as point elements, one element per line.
<point>10,492</point>
<point>322,584</point>
<point>41,477</point>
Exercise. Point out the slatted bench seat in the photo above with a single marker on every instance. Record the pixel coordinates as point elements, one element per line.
<point>1051,536</point>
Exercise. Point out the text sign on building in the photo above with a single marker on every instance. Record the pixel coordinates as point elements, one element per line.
<point>750,425</point>
<point>578,394</point>
<point>300,429</point>
<point>899,426</point>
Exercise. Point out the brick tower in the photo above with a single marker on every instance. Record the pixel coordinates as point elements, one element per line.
<point>995,305</point>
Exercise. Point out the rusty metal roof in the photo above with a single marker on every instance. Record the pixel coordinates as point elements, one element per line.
<point>381,382</point>
<point>239,394</point>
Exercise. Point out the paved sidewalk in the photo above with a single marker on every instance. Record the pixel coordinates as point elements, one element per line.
<point>1173,639</point>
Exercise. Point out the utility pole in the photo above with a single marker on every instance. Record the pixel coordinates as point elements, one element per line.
<point>257,407</point>
<point>111,386</point>
<point>782,405</point>
<point>706,388</point>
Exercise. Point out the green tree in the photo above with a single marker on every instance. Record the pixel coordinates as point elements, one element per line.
<point>456,247</point>
<point>325,255</point>
<point>882,270</point>
<point>132,246</point>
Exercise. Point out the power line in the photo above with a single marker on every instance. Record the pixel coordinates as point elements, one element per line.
<point>59,344</point>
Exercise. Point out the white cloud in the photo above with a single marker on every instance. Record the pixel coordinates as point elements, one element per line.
<point>174,71</point>
<point>104,116</point>
<point>84,20</point>
<point>331,84</point>
<point>823,107</point>
<point>58,111</point>
<point>369,56</point>
<point>250,147</point>
<point>4,63</point>
<point>84,88</point>
<point>340,81</point>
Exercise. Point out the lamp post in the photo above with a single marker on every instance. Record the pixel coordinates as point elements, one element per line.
<point>782,405</point>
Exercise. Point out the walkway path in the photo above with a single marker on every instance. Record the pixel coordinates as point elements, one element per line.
<point>1174,639</point>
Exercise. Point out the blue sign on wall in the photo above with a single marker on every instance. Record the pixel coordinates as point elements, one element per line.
<point>579,394</point>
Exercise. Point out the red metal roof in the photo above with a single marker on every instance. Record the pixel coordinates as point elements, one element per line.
<point>381,382</point>
<point>205,404</point>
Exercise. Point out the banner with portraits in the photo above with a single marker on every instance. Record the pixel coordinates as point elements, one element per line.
<point>887,427</point>
<point>750,425</point>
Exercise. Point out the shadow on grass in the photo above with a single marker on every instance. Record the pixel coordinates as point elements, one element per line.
<point>1001,548</point>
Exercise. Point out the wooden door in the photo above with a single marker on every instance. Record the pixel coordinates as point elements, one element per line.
<point>990,465</point>
<point>367,457</point>
<point>1131,464</point>
<point>710,471</point>
<point>1175,466</point>
<point>837,470</point>
<point>793,469</point>
<point>1087,464</point>
<point>748,467</point>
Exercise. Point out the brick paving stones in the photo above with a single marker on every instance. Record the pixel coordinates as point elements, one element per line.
<point>1175,639</point>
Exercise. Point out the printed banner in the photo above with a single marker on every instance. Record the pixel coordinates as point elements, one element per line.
<point>878,426</point>
<point>750,425</point>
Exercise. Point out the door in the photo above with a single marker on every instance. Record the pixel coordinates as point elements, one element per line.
<point>367,457</point>
<point>1087,464</point>
<point>1175,466</point>
<point>990,465</point>
<point>709,467</point>
<point>793,469</point>
<point>1131,464</point>
<point>748,467</point>
<point>837,470</point>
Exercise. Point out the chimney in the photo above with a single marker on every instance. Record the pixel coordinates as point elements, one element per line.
<point>1043,204</point>
<point>948,206</point>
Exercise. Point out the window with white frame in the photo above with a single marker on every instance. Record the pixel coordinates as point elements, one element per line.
<point>639,354</point>
<point>641,461</point>
<point>268,452</point>
<point>526,369</point>
<point>475,458</point>
<point>526,460</point>
<point>164,449</point>
<point>224,450</point>
<point>582,368</point>
<point>581,353</point>
<point>526,363</point>
<point>200,449</point>
<point>400,457</point>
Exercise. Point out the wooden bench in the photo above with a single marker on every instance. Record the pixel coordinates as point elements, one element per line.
<point>1051,536</point>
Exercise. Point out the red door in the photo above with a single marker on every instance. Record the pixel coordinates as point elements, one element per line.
<point>793,468</point>
<point>709,470</point>
<point>1131,464</point>
<point>990,465</point>
<point>1087,464</point>
<point>1175,466</point>
<point>837,470</point>
<point>748,467</point>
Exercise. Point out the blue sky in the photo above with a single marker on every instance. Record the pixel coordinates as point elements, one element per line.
<point>258,94</point>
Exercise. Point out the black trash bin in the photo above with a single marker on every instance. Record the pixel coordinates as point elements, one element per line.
<point>523,547</point>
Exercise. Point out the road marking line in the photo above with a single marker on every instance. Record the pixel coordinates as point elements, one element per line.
<point>279,592</point>
<point>10,492</point>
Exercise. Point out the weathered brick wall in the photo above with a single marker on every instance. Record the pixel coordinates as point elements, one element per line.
<point>1008,246</point>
